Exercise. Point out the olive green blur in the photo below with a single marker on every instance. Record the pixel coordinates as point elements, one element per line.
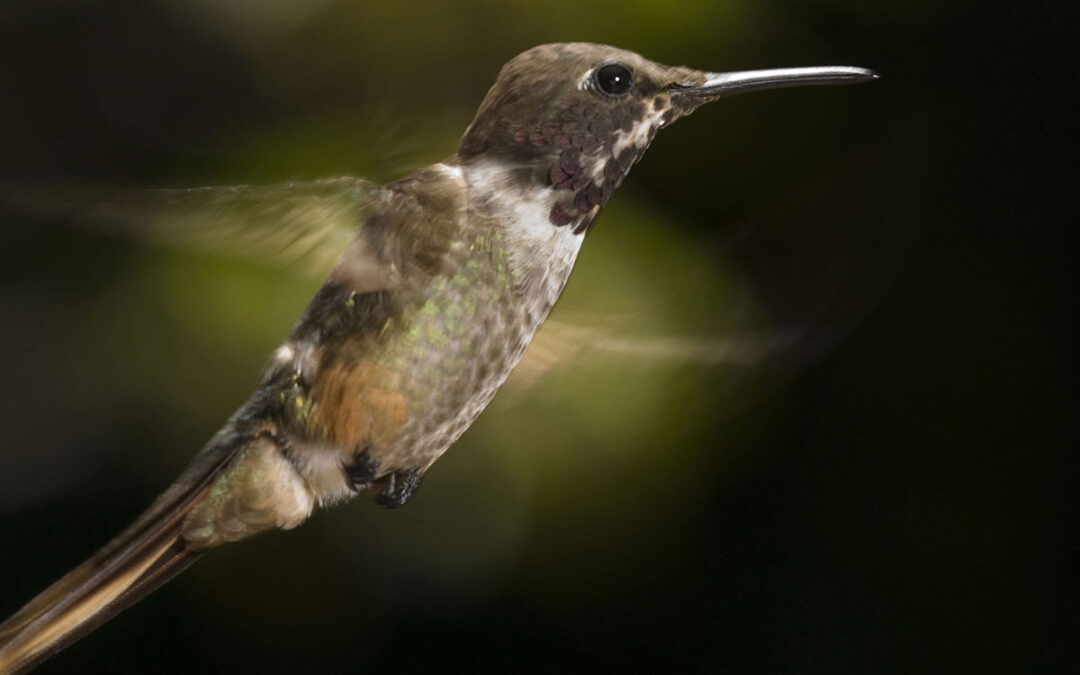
<point>806,405</point>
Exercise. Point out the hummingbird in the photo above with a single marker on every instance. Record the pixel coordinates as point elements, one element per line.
<point>441,281</point>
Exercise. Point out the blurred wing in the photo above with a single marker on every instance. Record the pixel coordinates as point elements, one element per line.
<point>558,345</point>
<point>303,223</point>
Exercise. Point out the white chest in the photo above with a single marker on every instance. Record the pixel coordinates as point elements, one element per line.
<point>542,254</point>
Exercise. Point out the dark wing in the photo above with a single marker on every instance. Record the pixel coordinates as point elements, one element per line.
<point>304,223</point>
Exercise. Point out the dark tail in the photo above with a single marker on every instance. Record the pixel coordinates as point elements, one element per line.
<point>134,564</point>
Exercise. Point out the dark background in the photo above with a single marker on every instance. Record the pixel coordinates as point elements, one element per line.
<point>891,494</point>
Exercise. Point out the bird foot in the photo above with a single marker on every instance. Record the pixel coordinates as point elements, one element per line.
<point>397,488</point>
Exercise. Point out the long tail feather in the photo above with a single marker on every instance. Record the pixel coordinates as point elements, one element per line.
<point>142,558</point>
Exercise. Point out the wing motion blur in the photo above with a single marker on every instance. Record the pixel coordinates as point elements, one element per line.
<point>307,224</point>
<point>559,344</point>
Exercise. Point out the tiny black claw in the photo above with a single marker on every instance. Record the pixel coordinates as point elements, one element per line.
<point>360,472</point>
<point>397,488</point>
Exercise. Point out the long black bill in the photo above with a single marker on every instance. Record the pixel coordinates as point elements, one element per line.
<point>718,85</point>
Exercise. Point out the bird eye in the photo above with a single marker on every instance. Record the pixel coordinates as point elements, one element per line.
<point>614,79</point>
